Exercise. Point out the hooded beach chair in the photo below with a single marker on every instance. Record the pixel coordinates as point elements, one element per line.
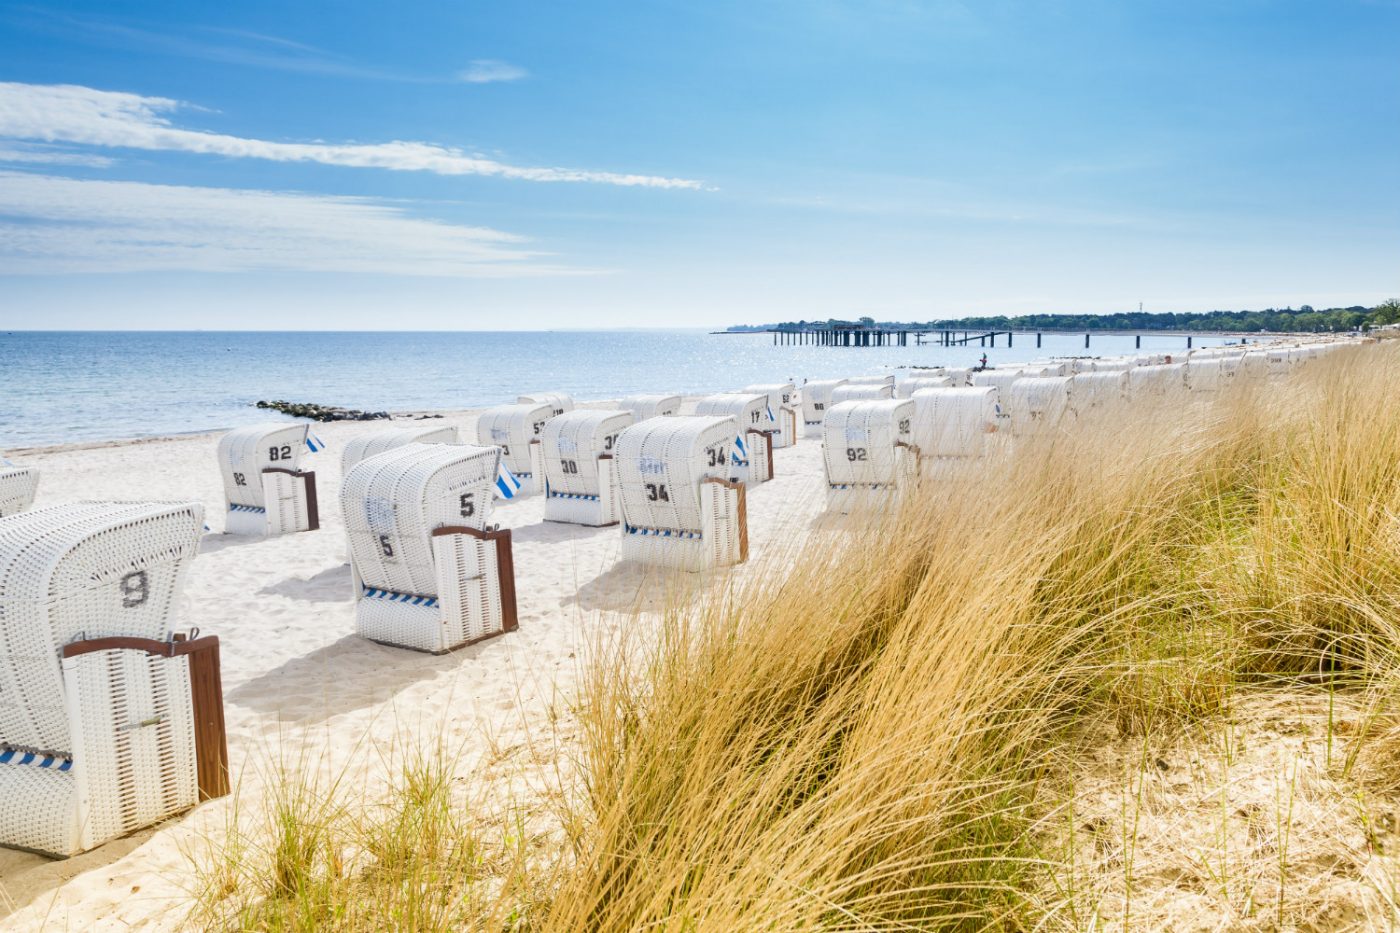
<point>751,454</point>
<point>868,452</point>
<point>908,387</point>
<point>1002,380</point>
<point>366,445</point>
<point>861,392</point>
<point>558,402</point>
<point>955,423</point>
<point>18,484</point>
<point>428,573</point>
<point>679,508</point>
<point>109,720</point>
<point>516,429</point>
<point>1039,404</point>
<point>1099,390</point>
<point>816,398</point>
<point>265,490</point>
<point>651,406</point>
<point>1156,380</point>
<point>580,474</point>
<point>871,381</point>
<point>782,412</point>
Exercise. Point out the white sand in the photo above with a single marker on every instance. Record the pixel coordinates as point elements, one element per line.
<point>299,684</point>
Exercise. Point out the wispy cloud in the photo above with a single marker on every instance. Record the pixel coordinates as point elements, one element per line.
<point>53,225</point>
<point>74,114</point>
<point>488,70</point>
<point>51,155</point>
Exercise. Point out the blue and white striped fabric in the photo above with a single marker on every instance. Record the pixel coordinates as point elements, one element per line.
<point>662,533</point>
<point>236,507</point>
<point>740,453</point>
<point>771,416</point>
<point>507,485</point>
<point>314,443</point>
<point>391,596</point>
<point>12,756</point>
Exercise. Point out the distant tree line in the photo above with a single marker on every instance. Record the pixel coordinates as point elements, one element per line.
<point>1277,320</point>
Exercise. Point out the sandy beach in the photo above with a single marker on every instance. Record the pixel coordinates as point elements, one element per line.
<point>302,689</point>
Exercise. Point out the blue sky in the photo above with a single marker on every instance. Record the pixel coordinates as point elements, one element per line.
<point>540,164</point>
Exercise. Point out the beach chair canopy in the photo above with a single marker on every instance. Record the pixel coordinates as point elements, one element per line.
<point>651,406</point>
<point>512,428</point>
<point>859,440</point>
<point>377,441</point>
<point>558,402</point>
<point>661,463</point>
<point>861,392</point>
<point>573,442</point>
<point>954,422</point>
<point>245,452</point>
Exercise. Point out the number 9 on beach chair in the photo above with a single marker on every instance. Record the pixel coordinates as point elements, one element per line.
<point>265,491</point>
<point>816,399</point>
<point>109,721</point>
<point>651,406</point>
<point>868,452</point>
<point>18,485</point>
<point>516,429</point>
<point>579,471</point>
<point>678,508</point>
<point>376,442</point>
<point>427,572</point>
<point>782,418</point>
<point>751,456</point>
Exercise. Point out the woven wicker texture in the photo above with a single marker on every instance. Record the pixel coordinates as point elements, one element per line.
<point>17,488</point>
<point>1099,389</point>
<point>908,387</point>
<point>816,398</point>
<point>955,422</point>
<point>1038,404</point>
<point>558,402</point>
<point>861,392</point>
<point>782,410</point>
<point>245,452</point>
<point>871,380</point>
<point>651,406</point>
<point>512,428</point>
<point>858,441</point>
<point>381,439</point>
<point>580,487</point>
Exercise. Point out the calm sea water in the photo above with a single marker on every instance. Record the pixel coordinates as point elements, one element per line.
<point>60,387</point>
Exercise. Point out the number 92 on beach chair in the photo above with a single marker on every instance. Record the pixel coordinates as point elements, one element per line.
<point>265,490</point>
<point>868,452</point>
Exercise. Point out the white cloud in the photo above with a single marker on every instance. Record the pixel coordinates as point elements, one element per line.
<point>49,155</point>
<point>74,114</point>
<point>487,70</point>
<point>51,225</point>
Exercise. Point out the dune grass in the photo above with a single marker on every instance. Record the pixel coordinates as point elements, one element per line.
<point>861,736</point>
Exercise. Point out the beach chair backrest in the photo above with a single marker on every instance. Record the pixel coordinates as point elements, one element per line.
<point>816,398</point>
<point>573,442</point>
<point>558,402</point>
<point>393,502</point>
<point>908,387</point>
<point>780,394</point>
<point>859,438</point>
<point>661,463</point>
<point>82,570</point>
<point>513,428</point>
<point>862,392</point>
<point>1038,403</point>
<point>748,409</point>
<point>374,442</point>
<point>245,452</point>
<point>1099,389</point>
<point>651,406</point>
<point>18,485</point>
<point>954,422</point>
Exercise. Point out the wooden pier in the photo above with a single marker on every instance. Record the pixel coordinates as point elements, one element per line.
<point>865,335</point>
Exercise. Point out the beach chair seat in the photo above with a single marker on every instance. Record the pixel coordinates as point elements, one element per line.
<point>955,423</point>
<point>679,508</point>
<point>782,411</point>
<point>265,490</point>
<point>1039,405</point>
<point>558,402</point>
<point>816,399</point>
<point>109,720</point>
<point>580,474</point>
<point>651,406</point>
<point>868,452</point>
<point>751,455</point>
<point>428,573</point>
<point>366,445</point>
<point>517,429</point>
<point>18,485</point>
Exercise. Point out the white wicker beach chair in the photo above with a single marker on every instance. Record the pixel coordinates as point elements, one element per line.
<point>428,573</point>
<point>679,510</point>
<point>558,402</point>
<point>651,406</point>
<point>1039,404</point>
<point>1002,380</point>
<point>1156,380</point>
<point>782,410</point>
<point>580,474</point>
<point>1099,390</point>
<point>751,460</point>
<point>955,423</point>
<point>517,429</point>
<point>1211,373</point>
<point>957,376</point>
<point>374,442</point>
<point>868,451</point>
<point>871,381</point>
<point>18,484</point>
<point>908,387</point>
<point>109,721</point>
<point>859,392</point>
<point>265,490</point>
<point>816,398</point>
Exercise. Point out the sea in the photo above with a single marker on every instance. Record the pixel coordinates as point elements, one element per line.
<point>60,387</point>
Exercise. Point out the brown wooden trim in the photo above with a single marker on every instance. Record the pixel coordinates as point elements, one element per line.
<point>741,511</point>
<point>605,456</point>
<point>912,448</point>
<point>505,567</point>
<point>169,649</point>
<point>313,508</point>
<point>767,435</point>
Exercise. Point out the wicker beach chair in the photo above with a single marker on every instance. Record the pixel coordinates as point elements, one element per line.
<point>782,411</point>
<point>868,452</point>
<point>1156,380</point>
<point>751,459</point>
<point>955,423</point>
<point>428,574</point>
<point>679,509</point>
<point>109,721</point>
<point>871,381</point>
<point>580,474</point>
<point>374,442</point>
<point>816,398</point>
<point>859,392</point>
<point>517,429</point>
<point>1099,390</point>
<point>265,490</point>
<point>651,406</point>
<point>908,387</point>
<point>1039,404</point>
<point>18,484</point>
<point>558,402</point>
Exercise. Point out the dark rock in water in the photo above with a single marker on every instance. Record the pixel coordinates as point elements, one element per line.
<point>321,412</point>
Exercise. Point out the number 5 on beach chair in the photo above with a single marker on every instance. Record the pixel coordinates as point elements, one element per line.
<point>265,490</point>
